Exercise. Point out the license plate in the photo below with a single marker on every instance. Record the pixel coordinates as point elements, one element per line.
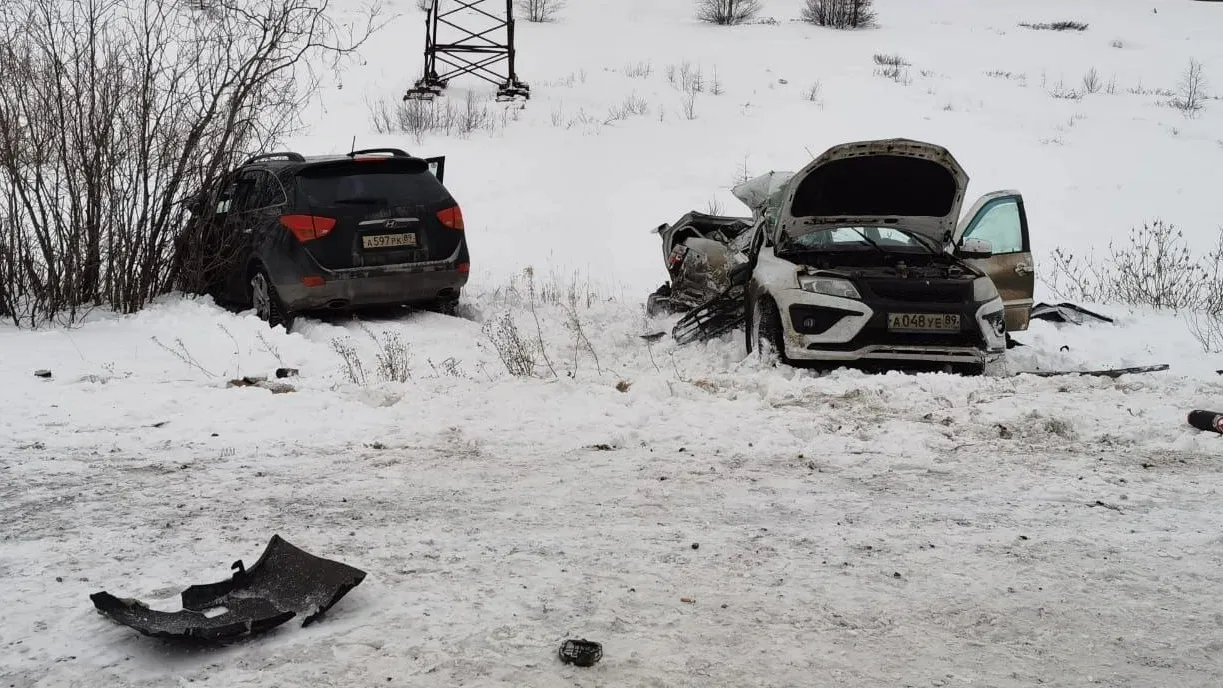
<point>924,322</point>
<point>388,240</point>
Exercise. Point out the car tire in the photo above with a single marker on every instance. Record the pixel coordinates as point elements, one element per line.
<point>765,326</point>
<point>266,301</point>
<point>448,306</point>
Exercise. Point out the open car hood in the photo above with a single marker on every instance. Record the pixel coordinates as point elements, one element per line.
<point>911,184</point>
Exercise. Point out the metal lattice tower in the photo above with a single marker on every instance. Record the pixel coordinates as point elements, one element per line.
<point>473,37</point>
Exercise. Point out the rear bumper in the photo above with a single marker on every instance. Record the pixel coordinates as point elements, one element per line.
<point>375,287</point>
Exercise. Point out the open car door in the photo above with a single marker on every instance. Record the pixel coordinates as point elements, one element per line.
<point>437,166</point>
<point>1000,219</point>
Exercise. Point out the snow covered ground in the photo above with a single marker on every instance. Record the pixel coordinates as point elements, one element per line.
<point>853,530</point>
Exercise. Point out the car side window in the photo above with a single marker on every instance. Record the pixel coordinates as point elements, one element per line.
<point>999,223</point>
<point>257,189</point>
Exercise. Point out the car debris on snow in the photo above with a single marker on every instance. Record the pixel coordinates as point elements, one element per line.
<point>1066,313</point>
<point>1106,372</point>
<point>283,583</point>
<point>581,652</point>
<point>1207,421</point>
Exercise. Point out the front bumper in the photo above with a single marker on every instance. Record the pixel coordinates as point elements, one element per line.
<point>817,327</point>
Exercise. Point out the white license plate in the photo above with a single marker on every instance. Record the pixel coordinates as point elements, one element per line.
<point>924,322</point>
<point>388,240</point>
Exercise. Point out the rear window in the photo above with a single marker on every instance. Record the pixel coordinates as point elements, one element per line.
<point>368,183</point>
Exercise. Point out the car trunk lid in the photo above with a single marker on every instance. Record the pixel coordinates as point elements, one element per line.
<point>911,184</point>
<point>386,211</point>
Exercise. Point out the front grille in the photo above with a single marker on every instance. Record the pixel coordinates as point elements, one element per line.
<point>921,291</point>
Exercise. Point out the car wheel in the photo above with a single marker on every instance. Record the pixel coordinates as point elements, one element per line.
<point>766,327</point>
<point>266,301</point>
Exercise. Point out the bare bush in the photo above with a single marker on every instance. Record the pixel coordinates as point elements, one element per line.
<point>727,12</point>
<point>1091,81</point>
<point>125,112</point>
<point>813,92</point>
<point>352,368</point>
<point>839,14</point>
<point>540,11</point>
<point>1055,26</point>
<point>517,353</point>
<point>638,70</point>
<point>632,106</point>
<point>1153,268</point>
<point>1191,91</point>
<point>884,60</point>
<point>424,5</point>
<point>442,116</point>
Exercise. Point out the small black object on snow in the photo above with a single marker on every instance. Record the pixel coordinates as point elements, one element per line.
<point>1065,313</point>
<point>583,653</point>
<point>283,583</point>
<point>287,372</point>
<point>1208,421</point>
<point>42,373</point>
<point>653,336</point>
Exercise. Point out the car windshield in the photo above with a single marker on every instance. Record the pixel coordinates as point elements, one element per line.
<point>887,239</point>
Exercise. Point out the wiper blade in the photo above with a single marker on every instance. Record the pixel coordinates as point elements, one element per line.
<point>870,241</point>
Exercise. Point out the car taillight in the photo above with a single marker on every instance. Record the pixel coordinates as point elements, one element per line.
<point>451,217</point>
<point>308,227</point>
<point>464,268</point>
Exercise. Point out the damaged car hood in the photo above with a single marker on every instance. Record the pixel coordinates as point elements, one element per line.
<point>912,184</point>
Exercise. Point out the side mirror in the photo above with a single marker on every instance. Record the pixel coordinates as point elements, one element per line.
<point>740,274</point>
<point>975,249</point>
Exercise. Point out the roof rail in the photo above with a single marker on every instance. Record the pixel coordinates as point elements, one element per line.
<point>288,155</point>
<point>393,151</point>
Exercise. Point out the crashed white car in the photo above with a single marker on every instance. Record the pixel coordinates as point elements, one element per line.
<point>863,256</point>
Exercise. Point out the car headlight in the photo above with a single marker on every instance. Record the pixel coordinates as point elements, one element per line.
<point>983,289</point>
<point>830,286</point>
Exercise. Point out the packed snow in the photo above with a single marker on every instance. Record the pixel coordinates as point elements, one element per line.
<point>709,517</point>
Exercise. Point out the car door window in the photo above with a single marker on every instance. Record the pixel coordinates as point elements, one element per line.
<point>1001,224</point>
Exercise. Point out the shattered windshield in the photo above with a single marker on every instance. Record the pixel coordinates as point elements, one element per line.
<point>854,238</point>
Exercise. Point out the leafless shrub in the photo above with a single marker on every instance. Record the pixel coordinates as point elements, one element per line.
<point>1061,91</point>
<point>884,60</point>
<point>181,352</point>
<point>713,207</point>
<point>727,12</point>
<point>1055,26</point>
<point>1191,91</point>
<point>1117,43</point>
<point>688,105</point>
<point>895,72</point>
<point>441,116</point>
<point>515,351</point>
<point>715,84</point>
<point>424,5</point>
<point>1091,81</point>
<point>687,77</point>
<point>352,368</point>
<point>632,106</point>
<point>813,92</point>
<point>573,322</point>
<point>540,11</point>
<point>1153,268</point>
<point>114,119</point>
<point>638,70</point>
<point>393,357</point>
<point>839,14</point>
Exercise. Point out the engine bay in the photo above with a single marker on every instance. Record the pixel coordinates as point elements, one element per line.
<point>868,265</point>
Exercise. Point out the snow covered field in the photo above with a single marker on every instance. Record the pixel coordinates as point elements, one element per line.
<point>853,530</point>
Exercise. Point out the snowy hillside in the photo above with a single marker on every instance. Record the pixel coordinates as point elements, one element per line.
<point>829,530</point>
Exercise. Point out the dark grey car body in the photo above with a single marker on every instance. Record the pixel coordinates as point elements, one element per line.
<point>294,235</point>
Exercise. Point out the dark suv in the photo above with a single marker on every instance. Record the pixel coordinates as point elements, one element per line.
<point>288,234</point>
